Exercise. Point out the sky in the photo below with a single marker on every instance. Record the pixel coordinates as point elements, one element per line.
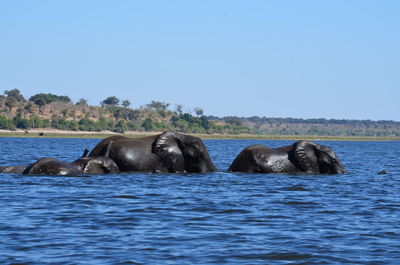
<point>333,59</point>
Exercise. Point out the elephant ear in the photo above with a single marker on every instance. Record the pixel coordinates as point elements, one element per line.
<point>304,153</point>
<point>97,165</point>
<point>108,148</point>
<point>167,148</point>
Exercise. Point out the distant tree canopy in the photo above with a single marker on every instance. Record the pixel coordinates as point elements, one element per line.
<point>12,98</point>
<point>234,121</point>
<point>112,101</point>
<point>179,109</point>
<point>82,102</point>
<point>43,99</point>
<point>158,105</point>
<point>17,113</point>
<point>15,94</point>
<point>198,111</point>
<point>10,103</point>
<point>126,103</point>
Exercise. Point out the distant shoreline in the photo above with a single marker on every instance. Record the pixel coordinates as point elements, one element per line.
<point>54,133</point>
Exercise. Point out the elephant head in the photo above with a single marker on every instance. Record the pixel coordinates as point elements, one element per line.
<point>85,165</point>
<point>96,164</point>
<point>183,153</point>
<point>50,166</point>
<point>315,158</point>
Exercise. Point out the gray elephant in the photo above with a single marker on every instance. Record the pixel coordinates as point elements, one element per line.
<point>84,165</point>
<point>12,169</point>
<point>167,152</point>
<point>302,156</point>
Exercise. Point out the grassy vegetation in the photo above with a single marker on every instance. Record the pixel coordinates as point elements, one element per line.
<point>58,112</point>
<point>48,113</point>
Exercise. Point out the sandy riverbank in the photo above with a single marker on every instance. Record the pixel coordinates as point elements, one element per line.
<point>54,133</point>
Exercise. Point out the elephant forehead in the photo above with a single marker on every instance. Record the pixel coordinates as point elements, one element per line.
<point>276,162</point>
<point>63,171</point>
<point>277,159</point>
<point>173,149</point>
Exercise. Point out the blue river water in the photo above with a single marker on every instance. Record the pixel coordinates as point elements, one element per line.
<point>216,218</point>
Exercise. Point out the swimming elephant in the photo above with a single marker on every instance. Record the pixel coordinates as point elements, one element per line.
<point>302,156</point>
<point>12,169</point>
<point>167,152</point>
<point>83,165</point>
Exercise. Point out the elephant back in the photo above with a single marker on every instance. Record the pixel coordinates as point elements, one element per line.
<point>100,148</point>
<point>50,166</point>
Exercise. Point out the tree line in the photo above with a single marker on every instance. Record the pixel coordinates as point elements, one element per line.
<point>45,110</point>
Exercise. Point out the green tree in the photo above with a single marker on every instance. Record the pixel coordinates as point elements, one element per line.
<point>64,112</point>
<point>37,122</point>
<point>65,99</point>
<point>42,99</point>
<point>148,124</point>
<point>182,125</point>
<point>60,123</point>
<point>87,125</point>
<point>179,109</point>
<point>82,102</point>
<point>158,105</point>
<point>126,103</point>
<point>205,123</point>
<point>46,123</point>
<point>29,107</point>
<point>120,127</point>
<point>48,98</point>
<point>5,123</point>
<point>74,125</point>
<point>10,103</point>
<point>111,101</point>
<point>111,125</point>
<point>234,121</point>
<point>16,94</point>
<point>198,111</point>
<point>21,122</point>
<point>102,123</point>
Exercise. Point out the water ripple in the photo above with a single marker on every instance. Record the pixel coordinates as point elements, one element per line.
<point>216,218</point>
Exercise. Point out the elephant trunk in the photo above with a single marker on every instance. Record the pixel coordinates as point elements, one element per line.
<point>339,168</point>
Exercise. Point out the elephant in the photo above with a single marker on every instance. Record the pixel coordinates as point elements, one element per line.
<point>169,151</point>
<point>83,165</point>
<point>302,156</point>
<point>12,169</point>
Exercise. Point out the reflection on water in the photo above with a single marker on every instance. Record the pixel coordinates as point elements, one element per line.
<point>216,218</point>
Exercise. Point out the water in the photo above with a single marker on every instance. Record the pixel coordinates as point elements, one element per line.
<point>216,218</point>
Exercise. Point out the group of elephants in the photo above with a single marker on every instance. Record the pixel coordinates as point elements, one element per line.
<point>179,153</point>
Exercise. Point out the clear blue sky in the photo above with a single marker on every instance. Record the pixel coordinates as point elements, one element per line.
<point>303,59</point>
